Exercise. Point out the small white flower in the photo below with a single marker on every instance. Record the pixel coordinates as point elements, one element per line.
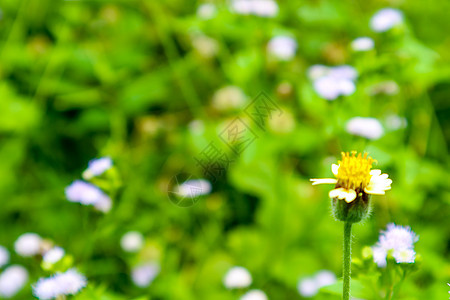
<point>324,278</point>
<point>53,255</point>
<point>4,256</point>
<point>385,19</point>
<point>282,47</point>
<point>363,44</point>
<point>262,8</point>
<point>369,128</point>
<point>254,295</point>
<point>206,11</point>
<point>406,256</point>
<point>97,167</point>
<point>132,241</point>
<point>398,237</point>
<point>307,287</point>
<point>103,204</point>
<point>68,283</point>
<point>330,88</point>
<point>12,280</point>
<point>204,45</point>
<point>379,256</point>
<point>28,244</point>
<point>237,277</point>
<point>84,193</point>
<point>143,275</point>
<point>194,188</point>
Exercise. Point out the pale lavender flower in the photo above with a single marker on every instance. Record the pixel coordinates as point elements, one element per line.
<point>398,237</point>
<point>282,47</point>
<point>395,122</point>
<point>262,8</point>
<point>332,82</point>
<point>194,188</point>
<point>143,275</point>
<point>254,295</point>
<point>132,241</point>
<point>362,44</point>
<point>400,240</point>
<point>369,128</point>
<point>385,19</point>
<point>84,193</point>
<point>28,244</point>
<point>67,283</point>
<point>53,255</point>
<point>379,256</point>
<point>310,286</point>
<point>4,256</point>
<point>97,167</point>
<point>237,277</point>
<point>12,280</point>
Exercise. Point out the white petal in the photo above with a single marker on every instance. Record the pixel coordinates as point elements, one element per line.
<point>343,194</point>
<point>335,169</point>
<point>323,181</point>
<point>375,172</point>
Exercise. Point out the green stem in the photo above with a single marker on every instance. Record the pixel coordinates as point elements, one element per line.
<point>347,259</point>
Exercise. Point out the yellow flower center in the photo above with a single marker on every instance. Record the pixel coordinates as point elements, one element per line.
<point>354,171</point>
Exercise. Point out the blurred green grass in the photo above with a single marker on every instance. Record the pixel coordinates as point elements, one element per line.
<point>83,79</point>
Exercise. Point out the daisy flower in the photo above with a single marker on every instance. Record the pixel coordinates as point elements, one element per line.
<point>354,177</point>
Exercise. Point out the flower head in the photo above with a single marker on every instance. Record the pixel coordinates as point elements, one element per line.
<point>28,244</point>
<point>143,275</point>
<point>362,44</point>
<point>97,167</point>
<point>282,47</point>
<point>237,277</point>
<point>254,295</point>
<point>12,280</point>
<point>4,256</point>
<point>369,128</point>
<point>53,255</point>
<point>332,82</point>
<point>132,241</point>
<point>354,176</point>
<point>88,194</point>
<point>68,283</point>
<point>310,286</point>
<point>385,19</point>
<point>400,240</point>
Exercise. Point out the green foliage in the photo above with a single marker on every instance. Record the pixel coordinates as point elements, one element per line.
<point>138,80</point>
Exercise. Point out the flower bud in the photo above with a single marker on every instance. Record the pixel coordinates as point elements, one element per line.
<point>352,212</point>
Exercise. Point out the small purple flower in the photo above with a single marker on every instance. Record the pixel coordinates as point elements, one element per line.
<point>84,193</point>
<point>97,167</point>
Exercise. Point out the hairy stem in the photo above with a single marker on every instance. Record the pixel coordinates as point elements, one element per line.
<point>347,259</point>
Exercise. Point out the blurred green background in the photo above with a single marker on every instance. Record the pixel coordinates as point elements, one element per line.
<point>142,82</point>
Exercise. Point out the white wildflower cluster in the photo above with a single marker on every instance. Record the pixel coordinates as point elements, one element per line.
<point>310,286</point>
<point>31,244</point>
<point>385,19</point>
<point>12,280</point>
<point>332,82</point>
<point>132,241</point>
<point>60,284</point>
<point>369,128</point>
<point>362,44</point>
<point>194,188</point>
<point>282,47</point>
<point>239,277</point>
<point>87,193</point>
<point>261,8</point>
<point>144,274</point>
<point>398,239</point>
